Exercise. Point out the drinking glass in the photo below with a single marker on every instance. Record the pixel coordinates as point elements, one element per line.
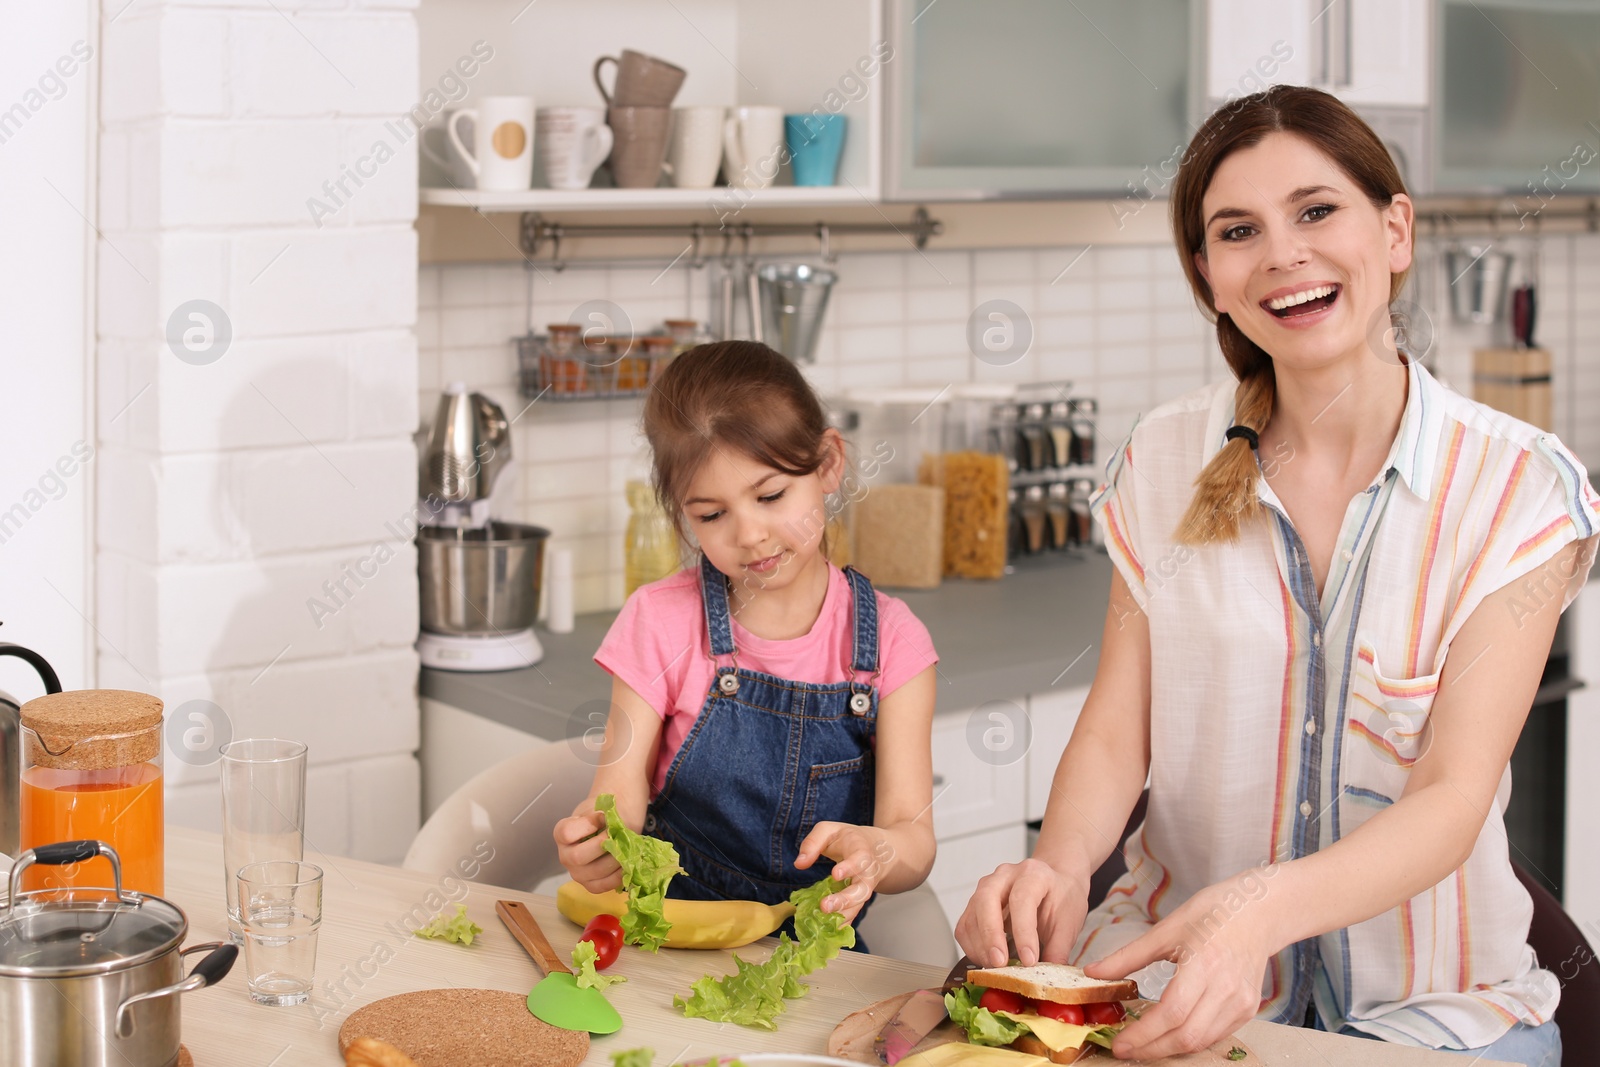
<point>263,810</point>
<point>280,907</point>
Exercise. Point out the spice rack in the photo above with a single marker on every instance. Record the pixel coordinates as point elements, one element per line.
<point>568,364</point>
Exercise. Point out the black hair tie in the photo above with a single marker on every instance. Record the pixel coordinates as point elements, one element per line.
<point>1248,434</point>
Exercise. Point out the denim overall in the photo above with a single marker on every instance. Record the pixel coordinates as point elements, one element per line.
<point>767,760</point>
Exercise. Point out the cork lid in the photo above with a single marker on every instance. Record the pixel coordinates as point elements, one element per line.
<point>91,729</point>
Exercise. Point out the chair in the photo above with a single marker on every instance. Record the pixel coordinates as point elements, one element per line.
<point>513,806</point>
<point>1564,951</point>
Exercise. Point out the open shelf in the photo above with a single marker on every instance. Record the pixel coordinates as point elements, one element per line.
<point>712,201</point>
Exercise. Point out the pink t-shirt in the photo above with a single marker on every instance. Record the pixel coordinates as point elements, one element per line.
<point>658,646</point>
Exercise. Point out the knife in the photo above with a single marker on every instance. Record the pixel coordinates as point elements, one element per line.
<point>917,1017</point>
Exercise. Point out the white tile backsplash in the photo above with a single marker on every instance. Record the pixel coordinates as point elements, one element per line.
<point>1119,322</point>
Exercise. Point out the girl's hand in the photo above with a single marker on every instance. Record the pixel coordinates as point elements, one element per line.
<point>1046,910</point>
<point>860,853</point>
<point>580,843</point>
<point>1220,947</point>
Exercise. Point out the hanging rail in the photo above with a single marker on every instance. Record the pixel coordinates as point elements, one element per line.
<point>537,231</point>
<point>1525,213</point>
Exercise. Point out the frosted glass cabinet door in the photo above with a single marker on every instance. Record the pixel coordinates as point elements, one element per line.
<point>1518,96</point>
<point>1039,97</point>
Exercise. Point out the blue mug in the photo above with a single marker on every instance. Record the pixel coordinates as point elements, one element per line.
<point>815,144</point>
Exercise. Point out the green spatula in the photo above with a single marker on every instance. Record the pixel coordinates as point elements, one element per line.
<point>557,999</point>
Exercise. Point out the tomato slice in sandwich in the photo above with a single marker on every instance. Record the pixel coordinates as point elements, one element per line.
<point>1066,1013</point>
<point>1005,1000</point>
<point>1107,1014</point>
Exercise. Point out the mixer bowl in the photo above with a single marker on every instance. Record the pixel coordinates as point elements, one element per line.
<point>480,581</point>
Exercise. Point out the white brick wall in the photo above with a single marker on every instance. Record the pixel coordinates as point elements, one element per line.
<point>233,493</point>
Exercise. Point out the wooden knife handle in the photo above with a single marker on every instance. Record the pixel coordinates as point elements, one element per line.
<point>519,920</point>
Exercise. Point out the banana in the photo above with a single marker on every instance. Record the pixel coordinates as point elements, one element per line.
<point>695,923</point>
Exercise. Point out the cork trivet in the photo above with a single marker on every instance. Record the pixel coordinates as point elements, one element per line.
<point>184,1059</point>
<point>92,729</point>
<point>453,1027</point>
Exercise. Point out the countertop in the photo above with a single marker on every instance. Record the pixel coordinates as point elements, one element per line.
<point>1036,629</point>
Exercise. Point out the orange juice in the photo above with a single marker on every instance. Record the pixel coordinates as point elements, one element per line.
<point>118,805</point>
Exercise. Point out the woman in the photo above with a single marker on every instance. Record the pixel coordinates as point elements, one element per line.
<point>1336,584</point>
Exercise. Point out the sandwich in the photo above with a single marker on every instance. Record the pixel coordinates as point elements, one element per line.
<point>1052,1010</point>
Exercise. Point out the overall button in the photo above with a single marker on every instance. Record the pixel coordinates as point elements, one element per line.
<point>860,704</point>
<point>1311,726</point>
<point>1305,808</point>
<point>650,823</point>
<point>728,683</point>
<point>1316,639</point>
<point>1348,555</point>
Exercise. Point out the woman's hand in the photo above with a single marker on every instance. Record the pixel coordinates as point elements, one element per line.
<point>862,854</point>
<point>1220,945</point>
<point>1046,908</point>
<point>581,845</point>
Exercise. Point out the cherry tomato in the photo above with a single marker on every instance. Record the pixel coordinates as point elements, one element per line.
<point>1106,1014</point>
<point>1003,1000</point>
<point>1067,1013</point>
<point>604,932</point>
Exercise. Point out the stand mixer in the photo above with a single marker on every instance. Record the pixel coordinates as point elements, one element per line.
<point>478,577</point>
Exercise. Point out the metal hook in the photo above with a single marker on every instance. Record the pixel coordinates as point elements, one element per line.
<point>727,248</point>
<point>822,240</point>
<point>555,250</point>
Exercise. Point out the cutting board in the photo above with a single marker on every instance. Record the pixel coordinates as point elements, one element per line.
<point>852,1040</point>
<point>458,1027</point>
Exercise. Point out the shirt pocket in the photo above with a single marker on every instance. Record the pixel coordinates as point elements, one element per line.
<point>837,792</point>
<point>1389,716</point>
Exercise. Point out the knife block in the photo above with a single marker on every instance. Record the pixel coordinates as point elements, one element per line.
<point>1515,381</point>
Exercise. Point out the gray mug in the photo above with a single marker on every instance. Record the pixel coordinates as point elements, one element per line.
<point>642,81</point>
<point>639,146</point>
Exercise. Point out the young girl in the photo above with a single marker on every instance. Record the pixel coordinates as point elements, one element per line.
<point>767,708</point>
<point>1335,590</point>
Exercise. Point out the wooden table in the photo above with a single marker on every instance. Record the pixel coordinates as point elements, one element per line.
<point>365,951</point>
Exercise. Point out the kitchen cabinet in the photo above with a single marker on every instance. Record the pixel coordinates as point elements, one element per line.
<point>1515,97</point>
<point>827,55</point>
<point>1366,52</point>
<point>1038,98</point>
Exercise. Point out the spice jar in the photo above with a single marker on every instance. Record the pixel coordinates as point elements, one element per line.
<point>650,548</point>
<point>685,334</point>
<point>561,362</point>
<point>1059,509</point>
<point>657,354</point>
<point>91,769</point>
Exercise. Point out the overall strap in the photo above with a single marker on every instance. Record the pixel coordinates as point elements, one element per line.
<point>864,650</point>
<point>714,596</point>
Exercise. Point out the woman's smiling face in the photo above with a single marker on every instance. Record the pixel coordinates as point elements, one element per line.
<point>1296,254</point>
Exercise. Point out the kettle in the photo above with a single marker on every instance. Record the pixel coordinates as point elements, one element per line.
<point>467,449</point>
<point>11,746</point>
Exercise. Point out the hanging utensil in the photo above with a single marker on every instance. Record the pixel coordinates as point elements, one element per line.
<point>752,290</point>
<point>557,999</point>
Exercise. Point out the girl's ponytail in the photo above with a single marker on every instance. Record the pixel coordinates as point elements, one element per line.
<point>1225,492</point>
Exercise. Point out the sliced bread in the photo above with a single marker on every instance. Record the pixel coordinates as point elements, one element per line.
<point>1059,982</point>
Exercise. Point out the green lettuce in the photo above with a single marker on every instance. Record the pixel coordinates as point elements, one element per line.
<point>583,957</point>
<point>754,995</point>
<point>648,864</point>
<point>456,927</point>
<point>633,1057</point>
<point>983,1026</point>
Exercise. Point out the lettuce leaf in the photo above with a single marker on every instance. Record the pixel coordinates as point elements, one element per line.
<point>648,864</point>
<point>456,927</point>
<point>983,1026</point>
<point>583,957</point>
<point>634,1057</point>
<point>755,994</point>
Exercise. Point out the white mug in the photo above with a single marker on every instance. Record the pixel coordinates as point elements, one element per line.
<point>451,166</point>
<point>571,142</point>
<point>503,139</point>
<point>752,140</point>
<point>695,151</point>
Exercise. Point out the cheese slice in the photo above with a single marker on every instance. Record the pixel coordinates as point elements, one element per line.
<point>961,1054</point>
<point>1056,1034</point>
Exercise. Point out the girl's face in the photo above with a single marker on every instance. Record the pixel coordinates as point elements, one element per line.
<point>1282,220</point>
<point>757,523</point>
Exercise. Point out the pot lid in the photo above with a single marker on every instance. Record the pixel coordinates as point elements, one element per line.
<point>64,933</point>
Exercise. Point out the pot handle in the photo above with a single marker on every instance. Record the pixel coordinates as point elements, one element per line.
<point>208,971</point>
<point>65,853</point>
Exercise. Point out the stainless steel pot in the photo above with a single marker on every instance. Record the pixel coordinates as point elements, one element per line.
<point>92,977</point>
<point>480,581</point>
